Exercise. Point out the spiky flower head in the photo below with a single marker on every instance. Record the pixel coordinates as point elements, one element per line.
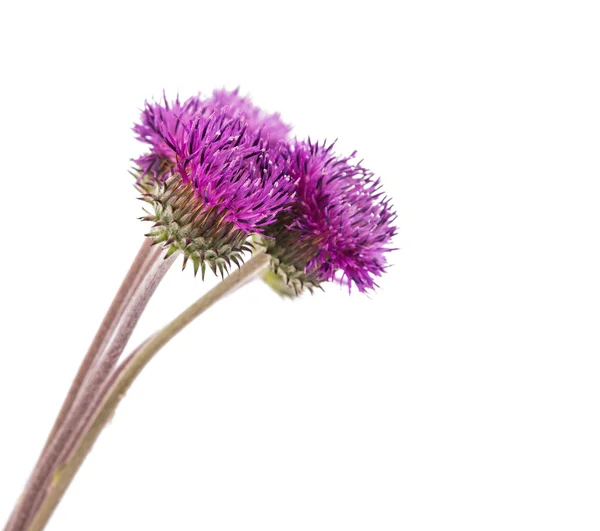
<point>157,121</point>
<point>339,226</point>
<point>161,119</point>
<point>232,170</point>
<point>223,185</point>
<point>269,125</point>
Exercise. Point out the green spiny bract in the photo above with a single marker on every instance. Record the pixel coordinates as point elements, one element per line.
<point>289,258</point>
<point>278,285</point>
<point>183,223</point>
<point>293,281</point>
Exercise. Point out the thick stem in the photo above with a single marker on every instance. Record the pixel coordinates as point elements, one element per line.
<point>81,410</point>
<point>125,376</point>
<point>91,393</point>
<point>69,448</point>
<point>101,371</point>
<point>117,325</point>
<point>104,332</point>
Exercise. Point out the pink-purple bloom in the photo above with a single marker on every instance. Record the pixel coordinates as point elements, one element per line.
<point>269,125</point>
<point>157,121</point>
<point>340,220</point>
<point>231,169</point>
<point>170,119</point>
<point>211,178</point>
<point>221,169</point>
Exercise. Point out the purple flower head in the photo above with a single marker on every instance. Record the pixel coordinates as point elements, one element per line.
<point>340,221</point>
<point>232,170</point>
<point>224,186</point>
<point>157,121</point>
<point>270,125</point>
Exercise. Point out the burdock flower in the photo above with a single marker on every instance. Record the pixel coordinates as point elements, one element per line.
<point>225,186</point>
<point>339,226</point>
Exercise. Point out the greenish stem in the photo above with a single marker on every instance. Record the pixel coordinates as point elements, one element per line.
<point>155,269</point>
<point>107,328</point>
<point>125,376</point>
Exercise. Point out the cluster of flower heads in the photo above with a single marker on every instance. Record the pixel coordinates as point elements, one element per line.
<point>222,175</point>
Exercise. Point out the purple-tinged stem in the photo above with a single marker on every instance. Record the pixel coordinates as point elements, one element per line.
<point>94,405</point>
<point>106,329</point>
<point>142,279</point>
<point>103,367</point>
<point>104,332</point>
<point>100,373</point>
<point>155,269</point>
<point>125,374</point>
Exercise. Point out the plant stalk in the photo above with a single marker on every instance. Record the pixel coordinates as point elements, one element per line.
<point>125,376</point>
<point>116,327</point>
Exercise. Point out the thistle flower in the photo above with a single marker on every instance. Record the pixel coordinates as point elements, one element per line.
<point>225,185</point>
<point>340,222</point>
<point>219,179</point>
<point>270,125</point>
<point>158,120</point>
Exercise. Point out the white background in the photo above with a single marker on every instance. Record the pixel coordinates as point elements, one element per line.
<point>463,395</point>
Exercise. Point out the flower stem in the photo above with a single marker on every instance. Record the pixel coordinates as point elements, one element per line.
<point>124,377</point>
<point>104,332</point>
<point>155,269</point>
<point>112,334</point>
